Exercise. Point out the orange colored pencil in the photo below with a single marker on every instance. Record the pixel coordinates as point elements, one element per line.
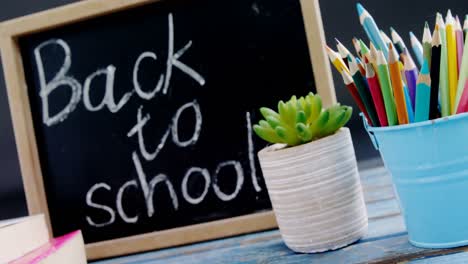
<point>397,84</point>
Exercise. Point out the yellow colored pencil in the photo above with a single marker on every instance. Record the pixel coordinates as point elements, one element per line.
<point>443,81</point>
<point>397,84</point>
<point>452,60</point>
<point>336,60</point>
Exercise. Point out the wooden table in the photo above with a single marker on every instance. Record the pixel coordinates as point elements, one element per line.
<point>385,242</point>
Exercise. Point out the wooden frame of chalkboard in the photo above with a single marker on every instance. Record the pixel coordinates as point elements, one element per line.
<point>11,31</point>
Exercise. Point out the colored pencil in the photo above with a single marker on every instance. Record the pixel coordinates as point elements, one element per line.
<point>459,39</point>
<point>427,43</point>
<point>343,51</point>
<point>408,104</point>
<point>465,25</point>
<point>451,59</point>
<point>423,94</point>
<point>363,90</point>
<point>348,81</point>
<point>435,74</point>
<point>357,47</point>
<point>372,54</point>
<point>400,45</point>
<point>397,84</point>
<point>443,80</point>
<point>417,48</point>
<point>336,60</point>
<point>463,106</point>
<point>371,29</point>
<point>364,50</point>
<point>385,38</point>
<point>361,65</point>
<point>402,70</point>
<point>463,73</point>
<point>411,73</point>
<point>385,86</point>
<point>376,93</point>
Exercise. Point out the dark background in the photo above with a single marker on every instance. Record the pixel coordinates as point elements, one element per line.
<point>339,18</point>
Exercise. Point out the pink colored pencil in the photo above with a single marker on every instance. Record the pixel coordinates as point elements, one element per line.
<point>376,93</point>
<point>460,42</point>
<point>463,105</point>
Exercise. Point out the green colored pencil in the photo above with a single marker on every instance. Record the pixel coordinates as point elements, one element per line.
<point>364,49</point>
<point>427,44</point>
<point>385,85</point>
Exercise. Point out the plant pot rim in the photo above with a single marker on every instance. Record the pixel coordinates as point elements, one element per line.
<point>283,149</point>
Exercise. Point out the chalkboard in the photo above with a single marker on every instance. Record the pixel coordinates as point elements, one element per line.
<point>142,117</point>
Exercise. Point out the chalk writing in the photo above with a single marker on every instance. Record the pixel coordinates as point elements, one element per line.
<point>151,146</point>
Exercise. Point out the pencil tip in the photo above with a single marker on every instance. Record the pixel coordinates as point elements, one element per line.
<point>449,13</point>
<point>360,8</point>
<point>426,24</point>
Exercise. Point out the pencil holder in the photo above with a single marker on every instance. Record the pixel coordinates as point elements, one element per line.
<point>428,162</point>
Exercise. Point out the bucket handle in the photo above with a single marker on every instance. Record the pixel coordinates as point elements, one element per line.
<point>371,133</point>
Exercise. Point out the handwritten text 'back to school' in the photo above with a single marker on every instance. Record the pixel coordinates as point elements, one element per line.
<point>81,92</point>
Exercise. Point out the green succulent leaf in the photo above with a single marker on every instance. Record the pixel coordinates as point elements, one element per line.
<point>266,112</point>
<point>301,117</point>
<point>303,132</point>
<point>264,124</point>
<point>267,134</point>
<point>315,106</point>
<point>318,125</point>
<point>273,121</point>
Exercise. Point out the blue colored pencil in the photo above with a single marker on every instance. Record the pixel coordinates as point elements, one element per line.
<point>371,29</point>
<point>423,94</point>
<point>409,105</point>
<point>417,48</point>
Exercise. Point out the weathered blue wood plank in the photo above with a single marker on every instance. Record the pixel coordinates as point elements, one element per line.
<point>457,258</point>
<point>394,249</point>
<point>383,193</point>
<point>373,172</point>
<point>380,228</point>
<point>199,247</point>
<point>383,208</point>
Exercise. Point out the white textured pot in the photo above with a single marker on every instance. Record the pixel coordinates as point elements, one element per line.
<point>316,193</point>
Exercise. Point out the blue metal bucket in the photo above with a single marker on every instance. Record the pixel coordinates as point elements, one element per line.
<point>428,162</point>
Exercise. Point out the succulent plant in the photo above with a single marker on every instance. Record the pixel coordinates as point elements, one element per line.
<point>301,120</point>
